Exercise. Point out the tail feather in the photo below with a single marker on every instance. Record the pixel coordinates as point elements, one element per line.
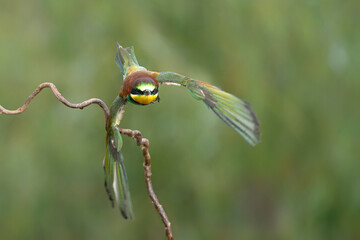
<point>116,182</point>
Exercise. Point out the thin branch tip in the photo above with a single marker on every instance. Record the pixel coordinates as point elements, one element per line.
<point>144,143</point>
<point>58,95</point>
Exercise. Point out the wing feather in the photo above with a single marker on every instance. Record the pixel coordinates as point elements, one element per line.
<point>108,165</point>
<point>121,189</point>
<point>234,111</point>
<point>116,182</point>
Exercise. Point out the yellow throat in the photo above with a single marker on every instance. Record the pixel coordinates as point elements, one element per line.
<point>143,99</point>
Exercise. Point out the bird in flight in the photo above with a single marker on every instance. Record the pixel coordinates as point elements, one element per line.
<point>141,87</point>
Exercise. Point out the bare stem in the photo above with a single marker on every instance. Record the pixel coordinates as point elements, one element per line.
<point>144,143</point>
<point>61,99</point>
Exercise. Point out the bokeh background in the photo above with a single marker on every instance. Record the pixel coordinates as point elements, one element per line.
<point>297,62</point>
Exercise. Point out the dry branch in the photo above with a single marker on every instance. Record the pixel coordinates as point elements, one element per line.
<point>61,99</point>
<point>136,135</point>
<point>144,143</point>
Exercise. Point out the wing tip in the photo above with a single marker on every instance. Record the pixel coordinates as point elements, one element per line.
<point>118,45</point>
<point>109,194</point>
<point>252,113</point>
<point>256,130</point>
<point>127,215</point>
<point>251,135</point>
<point>257,139</point>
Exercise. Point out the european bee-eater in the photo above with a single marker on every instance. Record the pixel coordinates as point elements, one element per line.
<point>141,87</point>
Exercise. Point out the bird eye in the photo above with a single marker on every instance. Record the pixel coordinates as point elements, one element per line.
<point>136,91</point>
<point>155,91</point>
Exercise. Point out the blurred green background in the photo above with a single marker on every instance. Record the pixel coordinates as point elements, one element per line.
<point>296,62</point>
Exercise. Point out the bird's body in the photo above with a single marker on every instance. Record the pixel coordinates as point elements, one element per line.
<point>141,87</point>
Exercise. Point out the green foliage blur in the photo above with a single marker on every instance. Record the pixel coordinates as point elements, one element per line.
<point>296,62</point>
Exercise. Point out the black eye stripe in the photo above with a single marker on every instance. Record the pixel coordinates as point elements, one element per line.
<point>137,91</point>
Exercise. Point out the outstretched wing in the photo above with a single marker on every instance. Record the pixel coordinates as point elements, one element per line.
<point>125,59</point>
<point>234,111</point>
<point>116,182</point>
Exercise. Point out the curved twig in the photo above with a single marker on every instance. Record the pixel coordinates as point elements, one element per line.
<point>136,135</point>
<point>144,143</point>
<point>60,98</point>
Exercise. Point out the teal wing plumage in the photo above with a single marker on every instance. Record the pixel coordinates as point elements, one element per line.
<point>125,58</point>
<point>234,111</point>
<point>116,182</point>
